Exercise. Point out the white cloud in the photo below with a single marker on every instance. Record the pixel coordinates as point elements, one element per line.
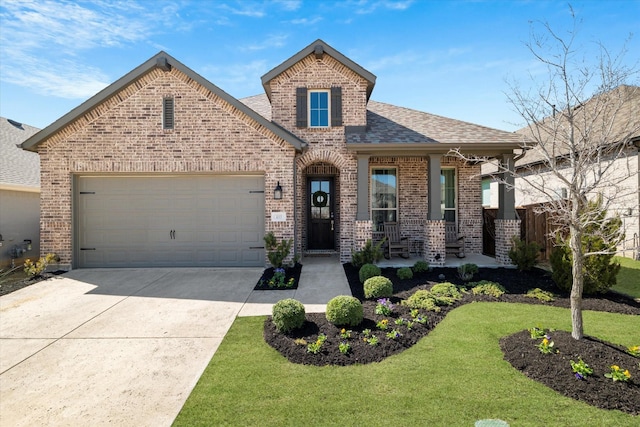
<point>306,21</point>
<point>272,41</point>
<point>289,4</point>
<point>250,9</point>
<point>365,6</point>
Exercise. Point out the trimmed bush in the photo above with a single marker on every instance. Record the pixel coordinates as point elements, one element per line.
<point>378,287</point>
<point>466,271</point>
<point>345,310</point>
<point>288,314</point>
<point>420,267</point>
<point>446,289</point>
<point>524,255</point>
<point>404,273</point>
<point>486,287</point>
<point>421,299</point>
<point>367,271</point>
<point>539,294</point>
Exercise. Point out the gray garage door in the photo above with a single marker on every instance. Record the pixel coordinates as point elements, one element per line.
<point>184,221</point>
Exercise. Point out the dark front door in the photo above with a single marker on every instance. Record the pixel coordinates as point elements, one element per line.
<point>321,219</point>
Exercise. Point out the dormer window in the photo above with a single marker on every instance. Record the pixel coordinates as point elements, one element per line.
<point>318,108</point>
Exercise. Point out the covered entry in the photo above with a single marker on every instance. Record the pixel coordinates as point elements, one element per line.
<point>169,220</point>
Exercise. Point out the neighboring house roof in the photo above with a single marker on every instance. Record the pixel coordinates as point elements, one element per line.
<point>318,48</point>
<point>164,61</point>
<point>19,169</point>
<point>624,125</point>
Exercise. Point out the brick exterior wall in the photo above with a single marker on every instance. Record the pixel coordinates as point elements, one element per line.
<point>326,145</point>
<point>505,230</point>
<point>435,251</point>
<point>124,135</point>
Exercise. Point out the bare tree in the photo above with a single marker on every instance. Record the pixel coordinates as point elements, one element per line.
<point>581,120</point>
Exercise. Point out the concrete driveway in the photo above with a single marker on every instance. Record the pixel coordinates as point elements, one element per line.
<point>113,347</point>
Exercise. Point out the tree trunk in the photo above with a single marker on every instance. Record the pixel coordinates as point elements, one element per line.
<point>575,244</point>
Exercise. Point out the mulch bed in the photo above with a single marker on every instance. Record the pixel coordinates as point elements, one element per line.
<point>290,273</point>
<point>551,370</point>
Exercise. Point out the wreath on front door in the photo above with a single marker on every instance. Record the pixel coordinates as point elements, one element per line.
<point>320,199</point>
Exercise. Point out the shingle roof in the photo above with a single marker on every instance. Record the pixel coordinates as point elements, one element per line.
<point>18,168</point>
<point>391,125</point>
<point>598,115</point>
<point>388,123</point>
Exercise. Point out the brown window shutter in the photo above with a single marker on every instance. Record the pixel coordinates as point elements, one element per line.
<point>301,107</point>
<point>336,106</point>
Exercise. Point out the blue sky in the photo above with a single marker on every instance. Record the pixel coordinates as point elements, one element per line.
<point>451,58</point>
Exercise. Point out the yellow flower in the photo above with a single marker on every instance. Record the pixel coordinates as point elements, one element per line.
<point>545,341</point>
<point>343,330</point>
<point>627,374</point>
<point>615,367</point>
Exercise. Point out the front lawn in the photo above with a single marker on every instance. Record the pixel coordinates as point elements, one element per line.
<point>628,279</point>
<point>454,376</point>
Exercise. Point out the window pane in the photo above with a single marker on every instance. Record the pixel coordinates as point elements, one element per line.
<point>383,189</point>
<point>319,109</point>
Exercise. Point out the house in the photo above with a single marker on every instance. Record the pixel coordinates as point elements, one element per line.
<point>163,168</point>
<point>19,195</point>
<point>618,113</point>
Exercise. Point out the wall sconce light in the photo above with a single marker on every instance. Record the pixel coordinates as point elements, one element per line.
<point>277,192</point>
<point>27,243</point>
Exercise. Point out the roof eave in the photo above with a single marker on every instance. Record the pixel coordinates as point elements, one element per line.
<point>488,149</point>
<point>163,61</point>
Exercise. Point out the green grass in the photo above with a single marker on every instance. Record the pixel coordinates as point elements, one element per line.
<point>454,376</point>
<point>628,280</point>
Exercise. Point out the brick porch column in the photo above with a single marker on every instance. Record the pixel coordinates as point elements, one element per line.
<point>434,243</point>
<point>505,230</point>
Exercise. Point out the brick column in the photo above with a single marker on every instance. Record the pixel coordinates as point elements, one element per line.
<point>505,230</point>
<point>362,233</point>
<point>434,243</point>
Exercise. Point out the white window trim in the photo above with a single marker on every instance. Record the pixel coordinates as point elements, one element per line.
<point>328,92</point>
<point>371,208</point>
<point>457,193</point>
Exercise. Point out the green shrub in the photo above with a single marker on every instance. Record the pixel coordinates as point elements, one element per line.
<point>369,254</point>
<point>35,270</point>
<point>446,289</point>
<point>378,287</point>
<point>524,255</point>
<point>600,271</point>
<point>345,310</point>
<point>367,271</point>
<point>420,266</point>
<point>485,287</point>
<point>277,252</point>
<point>404,273</point>
<point>288,314</point>
<point>541,295</point>
<point>466,271</point>
<point>421,299</point>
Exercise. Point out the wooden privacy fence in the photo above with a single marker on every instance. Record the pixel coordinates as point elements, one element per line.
<point>534,227</point>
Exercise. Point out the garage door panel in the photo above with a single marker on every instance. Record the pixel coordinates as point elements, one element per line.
<point>217,220</point>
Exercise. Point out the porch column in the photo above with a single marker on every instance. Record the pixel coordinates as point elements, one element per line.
<point>507,224</point>
<point>363,188</point>
<point>434,192</point>
<point>506,189</point>
<point>434,236</point>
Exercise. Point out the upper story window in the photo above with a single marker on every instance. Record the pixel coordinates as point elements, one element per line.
<point>318,108</point>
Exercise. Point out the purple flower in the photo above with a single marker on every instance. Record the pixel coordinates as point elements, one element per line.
<point>279,271</point>
<point>579,376</point>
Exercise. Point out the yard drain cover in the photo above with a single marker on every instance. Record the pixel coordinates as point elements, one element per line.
<point>491,423</point>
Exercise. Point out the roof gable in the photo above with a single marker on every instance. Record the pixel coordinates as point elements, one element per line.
<point>163,61</point>
<point>318,48</point>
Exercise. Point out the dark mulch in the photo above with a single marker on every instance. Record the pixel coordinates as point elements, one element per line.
<point>290,272</point>
<point>15,281</point>
<point>596,353</point>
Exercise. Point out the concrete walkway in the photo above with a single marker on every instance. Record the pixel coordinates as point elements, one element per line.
<point>125,347</point>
